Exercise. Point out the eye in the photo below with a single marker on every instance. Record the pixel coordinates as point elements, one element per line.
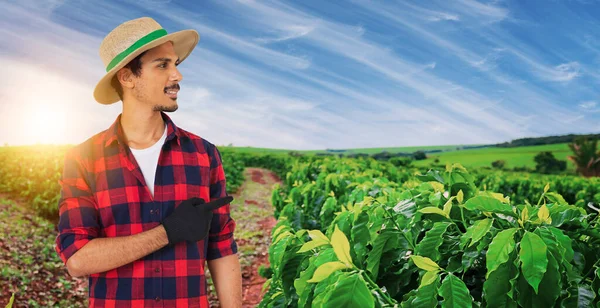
<point>163,65</point>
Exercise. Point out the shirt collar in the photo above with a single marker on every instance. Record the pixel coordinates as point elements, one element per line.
<point>115,131</point>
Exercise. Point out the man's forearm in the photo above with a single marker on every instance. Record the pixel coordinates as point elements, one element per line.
<point>227,278</point>
<point>104,254</point>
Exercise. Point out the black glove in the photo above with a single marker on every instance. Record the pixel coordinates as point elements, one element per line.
<point>191,219</point>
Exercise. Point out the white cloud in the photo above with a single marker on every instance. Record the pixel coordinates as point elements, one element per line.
<point>489,13</point>
<point>289,32</point>
<point>566,71</point>
<point>588,105</point>
<point>439,16</point>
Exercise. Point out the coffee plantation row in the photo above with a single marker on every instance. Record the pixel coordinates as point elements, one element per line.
<point>348,237</point>
<point>364,233</point>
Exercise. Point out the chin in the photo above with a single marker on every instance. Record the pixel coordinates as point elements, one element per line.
<point>167,108</point>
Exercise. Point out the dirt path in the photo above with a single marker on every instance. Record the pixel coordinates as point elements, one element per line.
<point>29,267</point>
<point>253,213</point>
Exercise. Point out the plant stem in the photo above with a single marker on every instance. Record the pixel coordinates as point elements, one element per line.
<point>591,269</point>
<point>462,217</point>
<point>376,287</point>
<point>391,217</point>
<point>541,198</point>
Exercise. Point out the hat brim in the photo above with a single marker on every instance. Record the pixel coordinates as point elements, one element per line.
<point>183,42</point>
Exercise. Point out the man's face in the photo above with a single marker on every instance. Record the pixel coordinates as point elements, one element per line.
<point>159,78</point>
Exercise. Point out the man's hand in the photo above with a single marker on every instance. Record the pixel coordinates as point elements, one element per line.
<point>191,219</point>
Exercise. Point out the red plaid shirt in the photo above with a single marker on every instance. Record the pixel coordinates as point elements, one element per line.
<point>104,195</point>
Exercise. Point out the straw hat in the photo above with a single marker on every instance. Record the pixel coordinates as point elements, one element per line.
<point>129,40</point>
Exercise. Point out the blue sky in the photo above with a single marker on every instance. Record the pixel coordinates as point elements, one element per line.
<point>318,74</point>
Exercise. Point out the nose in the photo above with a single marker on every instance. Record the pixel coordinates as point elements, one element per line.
<point>176,75</point>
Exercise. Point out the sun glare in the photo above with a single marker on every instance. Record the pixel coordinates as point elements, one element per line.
<point>45,125</point>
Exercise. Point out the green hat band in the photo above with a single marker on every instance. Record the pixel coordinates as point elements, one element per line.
<point>141,42</point>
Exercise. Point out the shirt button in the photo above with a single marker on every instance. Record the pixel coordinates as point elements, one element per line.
<point>157,299</point>
<point>157,269</point>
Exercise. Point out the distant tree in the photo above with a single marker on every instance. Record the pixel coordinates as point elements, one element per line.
<point>522,169</point>
<point>401,161</point>
<point>585,157</point>
<point>499,164</point>
<point>384,155</point>
<point>547,163</point>
<point>419,155</point>
<point>295,153</point>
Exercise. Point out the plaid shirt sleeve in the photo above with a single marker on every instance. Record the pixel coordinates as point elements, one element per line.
<point>78,216</point>
<point>220,239</point>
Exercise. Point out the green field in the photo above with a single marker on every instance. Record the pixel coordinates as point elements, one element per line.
<point>355,151</point>
<point>514,157</point>
<point>393,149</point>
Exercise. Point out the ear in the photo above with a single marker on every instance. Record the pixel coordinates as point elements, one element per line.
<point>125,77</point>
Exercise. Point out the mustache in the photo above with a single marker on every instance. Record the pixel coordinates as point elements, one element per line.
<point>173,87</point>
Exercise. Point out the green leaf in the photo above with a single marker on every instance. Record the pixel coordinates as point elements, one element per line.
<point>428,278</point>
<point>360,237</point>
<point>489,204</point>
<point>387,240</point>
<point>556,198</point>
<point>426,296</point>
<point>425,263</point>
<point>303,288</point>
<point>312,245</point>
<point>341,246</point>
<point>282,235</point>
<point>497,288</point>
<point>349,291</point>
<point>533,259</point>
<point>460,196</point>
<point>579,296</point>
<point>317,235</point>
<point>524,215</point>
<point>476,232</point>
<point>429,246</point>
<point>290,269</point>
<point>455,292</point>
<point>544,214</point>
<point>11,301</point>
<point>325,270</point>
<point>437,186</point>
<point>498,196</point>
<point>448,206</point>
<point>431,175</point>
<point>549,288</point>
<point>406,208</point>
<point>323,290</point>
<point>277,252</point>
<point>564,243</point>
<point>566,214</point>
<point>433,210</point>
<point>500,249</point>
<point>546,188</point>
<point>266,285</point>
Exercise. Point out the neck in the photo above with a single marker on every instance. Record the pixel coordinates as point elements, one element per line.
<point>142,127</point>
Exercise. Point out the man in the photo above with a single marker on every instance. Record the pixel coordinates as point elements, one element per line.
<point>143,203</point>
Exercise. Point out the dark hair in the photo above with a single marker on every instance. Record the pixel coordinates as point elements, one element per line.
<point>135,66</point>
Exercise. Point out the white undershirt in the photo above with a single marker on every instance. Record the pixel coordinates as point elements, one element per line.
<point>147,159</point>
